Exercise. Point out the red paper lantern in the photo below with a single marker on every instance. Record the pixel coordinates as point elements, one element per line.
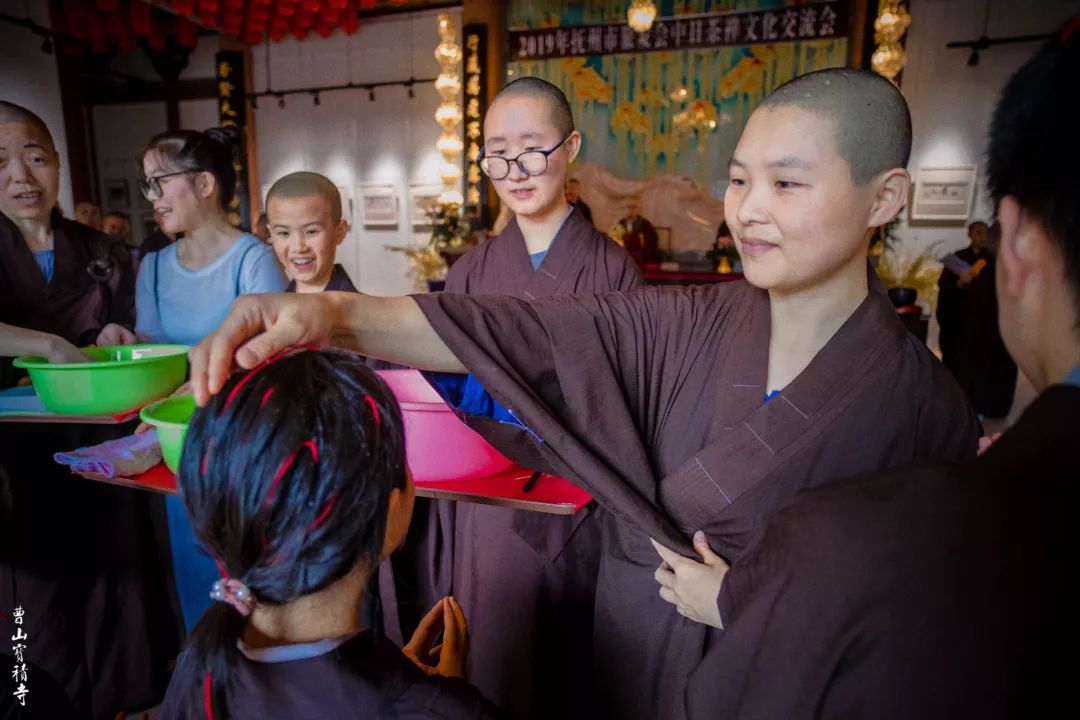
<point>367,4</point>
<point>117,24</point>
<point>252,36</point>
<point>311,6</point>
<point>160,29</point>
<point>277,34</point>
<point>140,17</point>
<point>325,30</point>
<point>233,4</point>
<point>350,23</point>
<point>305,21</point>
<point>187,32</point>
<point>183,7</point>
<point>108,5</point>
<point>338,4</point>
<point>300,33</point>
<point>75,16</point>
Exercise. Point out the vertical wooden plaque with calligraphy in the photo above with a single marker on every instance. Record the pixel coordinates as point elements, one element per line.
<point>475,82</point>
<point>232,112</point>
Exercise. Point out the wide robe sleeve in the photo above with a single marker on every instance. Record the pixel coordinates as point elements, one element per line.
<point>591,376</point>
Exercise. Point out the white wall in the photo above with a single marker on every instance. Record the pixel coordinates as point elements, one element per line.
<point>951,103</point>
<point>120,131</point>
<point>28,77</point>
<point>353,140</point>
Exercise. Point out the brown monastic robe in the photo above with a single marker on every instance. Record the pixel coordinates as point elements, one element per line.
<point>654,402</point>
<point>937,592</point>
<point>339,282</point>
<point>366,677</point>
<point>81,558</point>
<point>526,580</point>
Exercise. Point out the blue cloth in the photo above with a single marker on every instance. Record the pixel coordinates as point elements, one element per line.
<point>537,258</point>
<point>46,260</point>
<point>770,396</point>
<point>1073,378</point>
<point>177,305</point>
<point>465,394</point>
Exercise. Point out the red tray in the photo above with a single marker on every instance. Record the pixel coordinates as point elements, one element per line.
<point>549,494</point>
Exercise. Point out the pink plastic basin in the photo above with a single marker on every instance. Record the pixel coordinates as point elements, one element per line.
<point>438,445</point>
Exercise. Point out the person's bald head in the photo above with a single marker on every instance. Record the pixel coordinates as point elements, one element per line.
<point>870,116</point>
<point>307,184</point>
<point>533,87</point>
<point>12,113</point>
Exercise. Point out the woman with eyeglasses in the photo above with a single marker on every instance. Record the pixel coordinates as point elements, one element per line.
<point>78,558</point>
<point>185,290</point>
<point>531,577</point>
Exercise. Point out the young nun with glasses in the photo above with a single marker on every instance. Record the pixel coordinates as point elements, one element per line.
<point>531,576</point>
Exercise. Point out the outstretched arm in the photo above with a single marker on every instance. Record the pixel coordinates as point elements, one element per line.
<point>260,326</point>
<point>16,341</point>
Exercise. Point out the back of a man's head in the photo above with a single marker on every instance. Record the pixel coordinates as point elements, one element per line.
<point>871,117</point>
<point>1034,152</point>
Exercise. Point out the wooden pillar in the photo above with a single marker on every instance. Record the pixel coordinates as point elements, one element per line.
<point>255,199</point>
<point>491,14</point>
<point>77,130</point>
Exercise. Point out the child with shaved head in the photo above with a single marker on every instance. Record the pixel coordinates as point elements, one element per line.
<point>691,412</point>
<point>303,211</point>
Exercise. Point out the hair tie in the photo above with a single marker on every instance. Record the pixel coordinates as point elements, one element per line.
<point>235,593</point>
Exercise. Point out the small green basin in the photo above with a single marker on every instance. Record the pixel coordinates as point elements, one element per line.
<point>117,379</point>
<point>170,416</point>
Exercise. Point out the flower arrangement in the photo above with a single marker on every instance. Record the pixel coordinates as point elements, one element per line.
<point>618,234</point>
<point>902,267</point>
<point>449,238</point>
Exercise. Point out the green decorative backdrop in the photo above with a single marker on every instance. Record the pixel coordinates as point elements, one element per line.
<point>623,104</point>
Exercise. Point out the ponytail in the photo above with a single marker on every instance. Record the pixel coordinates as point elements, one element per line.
<point>286,476</point>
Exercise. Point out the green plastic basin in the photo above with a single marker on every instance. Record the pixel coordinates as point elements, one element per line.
<point>170,416</point>
<point>118,378</point>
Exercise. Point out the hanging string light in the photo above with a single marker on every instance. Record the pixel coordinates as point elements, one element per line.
<point>449,113</point>
<point>640,15</point>
<point>892,22</point>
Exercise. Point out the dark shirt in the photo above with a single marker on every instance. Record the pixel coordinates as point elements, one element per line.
<point>367,676</point>
<point>580,205</point>
<point>641,239</point>
<point>935,592</point>
<point>154,242</point>
<point>339,282</point>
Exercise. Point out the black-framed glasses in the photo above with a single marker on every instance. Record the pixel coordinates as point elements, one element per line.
<point>152,184</point>
<point>531,162</point>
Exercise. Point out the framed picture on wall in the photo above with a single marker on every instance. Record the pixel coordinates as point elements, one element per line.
<point>379,204</point>
<point>422,198</point>
<point>116,195</point>
<point>944,194</point>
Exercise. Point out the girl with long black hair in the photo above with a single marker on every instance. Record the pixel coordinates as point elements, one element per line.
<point>295,482</point>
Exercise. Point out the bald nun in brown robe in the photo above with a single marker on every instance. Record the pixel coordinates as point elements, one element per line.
<point>945,591</point>
<point>531,576</point>
<point>79,557</point>
<point>684,409</point>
